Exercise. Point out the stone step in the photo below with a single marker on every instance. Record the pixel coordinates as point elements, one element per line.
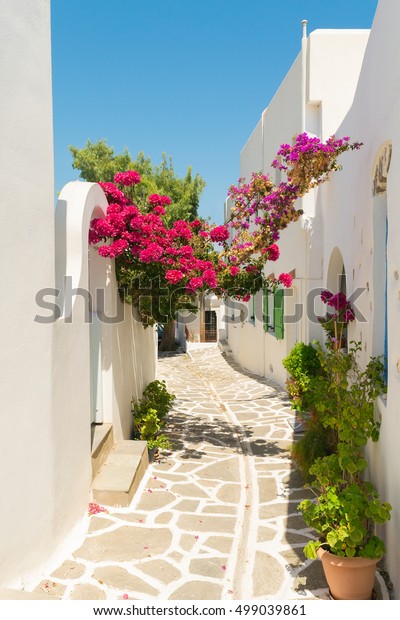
<point>224,346</point>
<point>121,473</point>
<point>102,443</point>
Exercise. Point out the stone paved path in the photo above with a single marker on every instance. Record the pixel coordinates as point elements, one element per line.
<point>217,518</point>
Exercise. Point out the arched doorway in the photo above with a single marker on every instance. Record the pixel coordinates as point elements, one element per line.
<point>336,276</point>
<point>336,283</point>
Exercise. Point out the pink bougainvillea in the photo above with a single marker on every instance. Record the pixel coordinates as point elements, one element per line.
<point>174,276</point>
<point>286,279</point>
<point>219,234</point>
<point>131,177</point>
<point>162,265</point>
<point>95,509</point>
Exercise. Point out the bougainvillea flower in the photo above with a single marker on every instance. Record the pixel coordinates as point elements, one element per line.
<point>131,177</point>
<point>174,276</point>
<point>195,283</point>
<point>219,234</point>
<point>286,279</point>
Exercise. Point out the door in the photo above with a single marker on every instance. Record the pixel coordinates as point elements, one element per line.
<point>210,326</point>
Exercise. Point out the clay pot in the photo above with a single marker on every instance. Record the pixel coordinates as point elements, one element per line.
<point>349,579</point>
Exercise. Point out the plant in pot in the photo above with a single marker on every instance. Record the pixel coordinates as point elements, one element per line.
<point>346,508</point>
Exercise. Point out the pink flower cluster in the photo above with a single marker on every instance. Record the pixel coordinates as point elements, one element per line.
<point>309,146</point>
<point>113,193</point>
<point>183,253</point>
<point>272,252</point>
<point>344,312</point>
<point>131,177</point>
<point>270,208</point>
<point>219,234</point>
<point>178,252</point>
<point>157,200</point>
<point>286,279</point>
<point>95,509</point>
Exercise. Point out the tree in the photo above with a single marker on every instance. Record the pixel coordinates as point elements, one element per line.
<point>98,162</point>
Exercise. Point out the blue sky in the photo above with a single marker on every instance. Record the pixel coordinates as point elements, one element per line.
<point>188,78</point>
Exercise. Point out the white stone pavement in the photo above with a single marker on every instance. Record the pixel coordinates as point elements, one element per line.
<point>215,519</point>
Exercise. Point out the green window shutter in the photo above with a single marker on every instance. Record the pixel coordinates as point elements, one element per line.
<point>278,314</point>
<point>265,309</point>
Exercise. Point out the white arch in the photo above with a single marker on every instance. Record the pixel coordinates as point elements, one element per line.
<point>335,279</point>
<point>78,204</point>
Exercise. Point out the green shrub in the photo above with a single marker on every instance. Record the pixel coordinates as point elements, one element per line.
<point>302,364</point>
<point>156,396</point>
<point>346,508</point>
<point>149,415</point>
<point>316,442</point>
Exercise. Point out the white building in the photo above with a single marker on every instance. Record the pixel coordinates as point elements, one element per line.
<point>344,83</point>
<point>56,367</point>
<point>204,326</point>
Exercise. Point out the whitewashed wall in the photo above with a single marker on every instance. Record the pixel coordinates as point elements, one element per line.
<point>27,451</point>
<point>310,98</point>
<point>350,224</point>
<point>353,88</point>
<point>127,350</point>
<point>45,453</point>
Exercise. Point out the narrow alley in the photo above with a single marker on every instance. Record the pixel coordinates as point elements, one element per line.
<point>215,519</point>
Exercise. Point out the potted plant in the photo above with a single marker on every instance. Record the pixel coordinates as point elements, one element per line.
<point>346,508</point>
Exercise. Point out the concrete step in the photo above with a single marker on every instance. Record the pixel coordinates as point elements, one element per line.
<point>102,443</point>
<point>224,346</point>
<point>120,475</point>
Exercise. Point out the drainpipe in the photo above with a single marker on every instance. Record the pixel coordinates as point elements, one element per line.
<point>303,335</point>
<point>303,74</point>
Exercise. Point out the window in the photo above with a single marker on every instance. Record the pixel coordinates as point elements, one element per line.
<point>273,312</point>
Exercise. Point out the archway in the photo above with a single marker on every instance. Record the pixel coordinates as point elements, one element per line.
<point>336,276</point>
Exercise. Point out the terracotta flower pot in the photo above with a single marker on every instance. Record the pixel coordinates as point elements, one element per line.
<point>349,579</point>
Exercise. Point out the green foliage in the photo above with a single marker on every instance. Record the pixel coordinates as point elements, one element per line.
<point>316,442</point>
<point>149,414</point>
<point>346,508</point>
<point>157,396</point>
<point>160,442</point>
<point>98,162</point>
<point>302,364</point>
<point>344,514</point>
<point>343,397</point>
<point>153,299</point>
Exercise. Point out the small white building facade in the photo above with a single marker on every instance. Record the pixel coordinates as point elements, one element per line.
<point>204,326</point>
<point>343,83</point>
<point>71,356</point>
